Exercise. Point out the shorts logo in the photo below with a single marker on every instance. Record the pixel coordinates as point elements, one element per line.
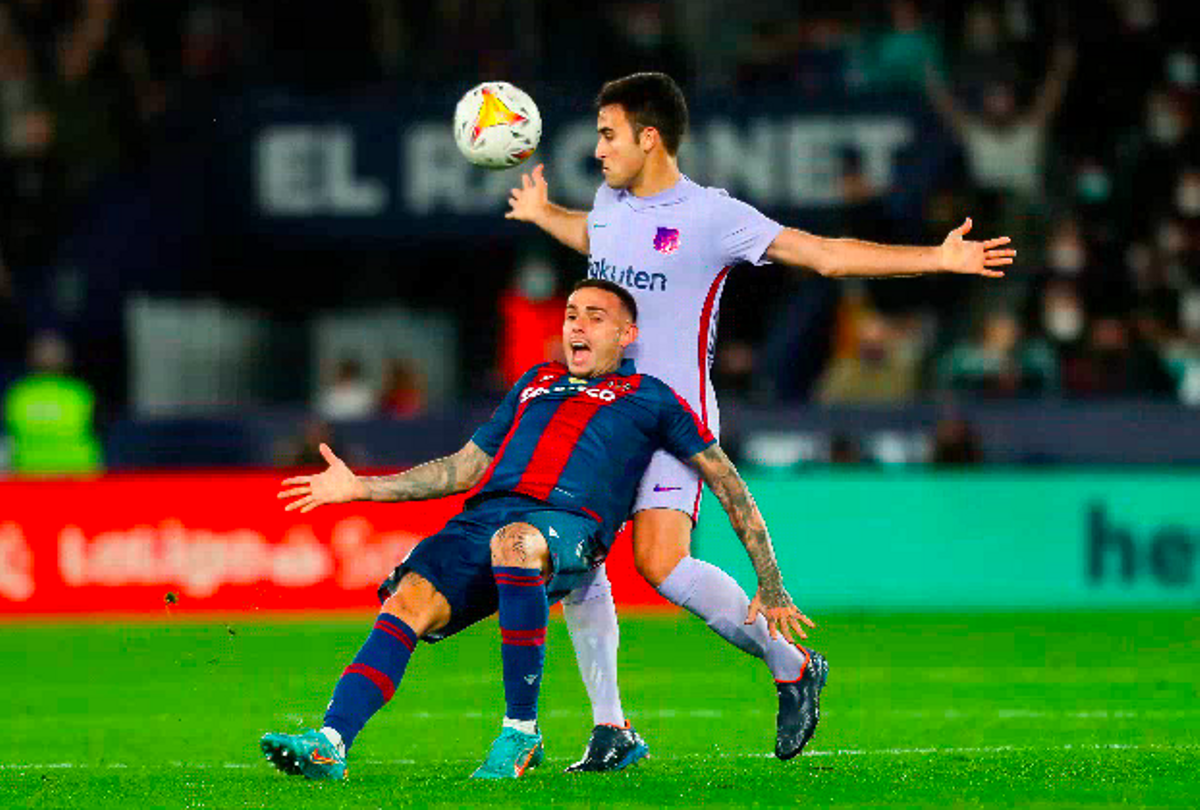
<point>666,241</point>
<point>661,488</point>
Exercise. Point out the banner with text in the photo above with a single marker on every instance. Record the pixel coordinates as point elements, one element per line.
<point>974,540</point>
<point>386,167</point>
<point>207,541</point>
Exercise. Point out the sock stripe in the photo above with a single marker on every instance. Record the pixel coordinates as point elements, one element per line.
<point>382,682</point>
<point>396,632</point>
<point>523,581</point>
<point>523,638</point>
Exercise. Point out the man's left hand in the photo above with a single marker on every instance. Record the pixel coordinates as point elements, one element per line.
<point>975,258</point>
<point>784,619</point>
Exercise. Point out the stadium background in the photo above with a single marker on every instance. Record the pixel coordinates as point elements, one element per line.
<point>232,230</point>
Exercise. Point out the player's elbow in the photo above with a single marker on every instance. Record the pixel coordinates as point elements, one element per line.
<point>828,269</point>
<point>812,252</point>
<point>824,262</point>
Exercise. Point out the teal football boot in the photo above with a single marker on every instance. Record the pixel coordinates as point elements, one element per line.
<point>310,755</point>
<point>513,753</point>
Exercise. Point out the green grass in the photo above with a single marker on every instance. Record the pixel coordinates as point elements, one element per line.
<point>1052,710</point>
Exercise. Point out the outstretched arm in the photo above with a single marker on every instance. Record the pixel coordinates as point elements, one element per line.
<point>853,257</point>
<point>772,600</point>
<point>1050,95</point>
<point>531,203</point>
<point>944,103</point>
<point>434,479</point>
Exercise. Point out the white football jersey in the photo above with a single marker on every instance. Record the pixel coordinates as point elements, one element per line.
<point>673,252</point>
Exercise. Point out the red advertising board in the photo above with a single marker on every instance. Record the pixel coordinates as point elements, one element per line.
<point>184,542</point>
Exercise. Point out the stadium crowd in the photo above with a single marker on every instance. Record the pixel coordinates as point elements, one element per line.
<point>1091,163</point>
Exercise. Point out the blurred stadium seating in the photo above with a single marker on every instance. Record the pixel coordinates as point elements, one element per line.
<point>278,165</point>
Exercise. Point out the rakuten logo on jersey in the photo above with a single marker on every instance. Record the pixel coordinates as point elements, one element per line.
<point>628,277</point>
<point>532,391</point>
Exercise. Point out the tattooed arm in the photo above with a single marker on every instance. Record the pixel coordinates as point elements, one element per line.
<point>772,598</point>
<point>434,479</point>
<point>448,475</point>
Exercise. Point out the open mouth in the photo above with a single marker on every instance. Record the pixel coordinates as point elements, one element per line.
<point>580,352</point>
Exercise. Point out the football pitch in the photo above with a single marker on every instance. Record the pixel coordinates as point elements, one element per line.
<point>1014,710</point>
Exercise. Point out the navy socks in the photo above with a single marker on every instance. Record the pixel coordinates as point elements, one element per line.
<point>524,614</point>
<point>371,680</point>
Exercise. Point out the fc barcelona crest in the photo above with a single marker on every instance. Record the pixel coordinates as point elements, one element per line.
<point>666,241</point>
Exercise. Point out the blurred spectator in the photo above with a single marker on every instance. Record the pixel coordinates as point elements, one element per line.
<point>897,56</point>
<point>882,367</point>
<point>1114,363</point>
<point>349,396</point>
<point>1063,317</point>
<point>843,449</point>
<point>12,328</point>
<point>984,55</point>
<point>997,362</point>
<point>1182,353</point>
<point>956,442</point>
<point>88,93</point>
<point>403,389</point>
<point>1005,145</point>
<point>531,320</point>
<point>799,50</point>
<point>28,179</point>
<point>1066,250</point>
<point>642,37</point>
<point>48,414</point>
<point>303,450</point>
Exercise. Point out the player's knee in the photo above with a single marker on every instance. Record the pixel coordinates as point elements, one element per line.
<point>654,564</point>
<point>418,604</point>
<point>661,538</point>
<point>520,545</point>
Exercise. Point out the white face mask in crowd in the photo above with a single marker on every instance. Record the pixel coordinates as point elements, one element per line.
<point>1067,256</point>
<point>1163,123</point>
<point>1189,311</point>
<point>1187,195</point>
<point>1063,322</point>
<point>536,280</point>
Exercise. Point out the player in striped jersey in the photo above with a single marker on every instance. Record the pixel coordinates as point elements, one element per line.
<point>672,244</point>
<point>552,476</point>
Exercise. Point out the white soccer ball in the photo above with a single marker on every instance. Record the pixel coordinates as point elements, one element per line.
<point>497,125</point>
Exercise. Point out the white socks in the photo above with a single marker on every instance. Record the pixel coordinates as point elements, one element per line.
<point>526,726</point>
<point>335,737</point>
<point>715,597</point>
<point>592,621</point>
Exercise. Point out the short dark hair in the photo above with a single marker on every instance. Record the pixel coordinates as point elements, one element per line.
<point>650,100</point>
<point>620,292</point>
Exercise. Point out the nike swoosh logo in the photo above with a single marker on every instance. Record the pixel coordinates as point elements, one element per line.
<point>531,679</point>
<point>661,488</point>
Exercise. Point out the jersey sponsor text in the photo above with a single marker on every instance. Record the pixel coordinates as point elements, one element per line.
<point>628,277</point>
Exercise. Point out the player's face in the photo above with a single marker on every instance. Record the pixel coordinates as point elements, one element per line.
<point>595,332</point>
<point>621,155</point>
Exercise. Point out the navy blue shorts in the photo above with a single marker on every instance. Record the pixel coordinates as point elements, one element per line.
<point>458,559</point>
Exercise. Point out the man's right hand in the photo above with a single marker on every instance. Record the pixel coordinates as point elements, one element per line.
<point>530,202</point>
<point>336,485</point>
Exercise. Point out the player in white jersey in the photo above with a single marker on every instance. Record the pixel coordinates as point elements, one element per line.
<point>672,243</point>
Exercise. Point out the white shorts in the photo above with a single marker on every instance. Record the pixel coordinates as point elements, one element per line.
<point>669,484</point>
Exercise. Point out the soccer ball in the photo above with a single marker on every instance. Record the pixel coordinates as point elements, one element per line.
<point>497,125</point>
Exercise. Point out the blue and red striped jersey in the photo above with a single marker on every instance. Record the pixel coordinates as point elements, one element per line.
<point>583,444</point>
